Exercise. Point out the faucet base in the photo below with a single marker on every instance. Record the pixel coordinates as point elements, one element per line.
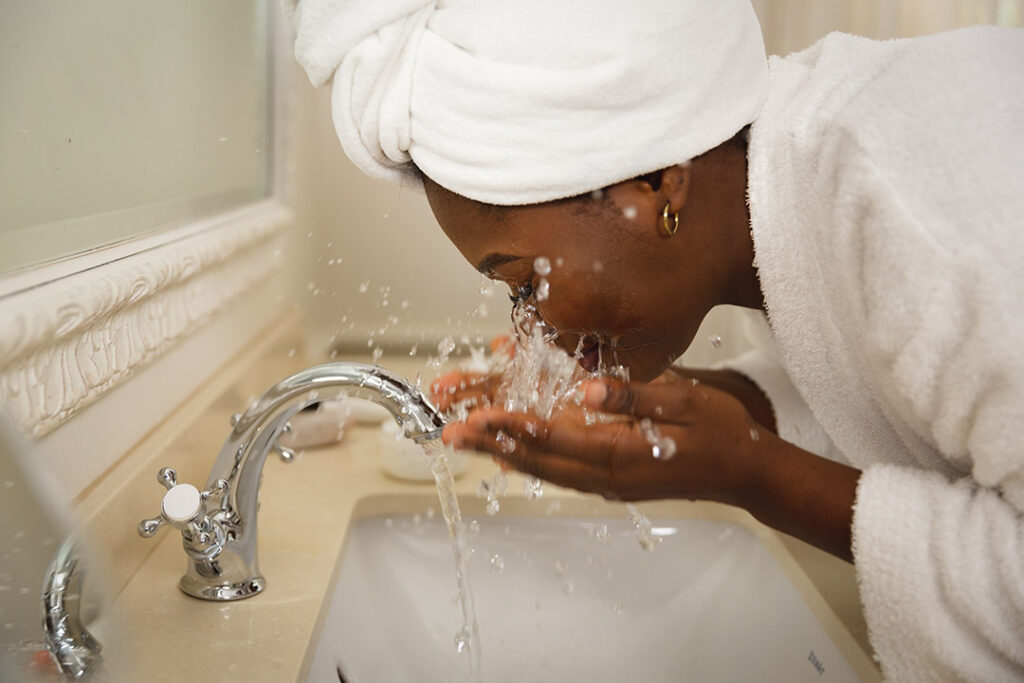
<point>222,592</point>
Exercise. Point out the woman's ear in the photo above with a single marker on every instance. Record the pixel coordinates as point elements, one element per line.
<point>675,186</point>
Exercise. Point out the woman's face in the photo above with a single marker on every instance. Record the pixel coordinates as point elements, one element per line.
<point>618,288</point>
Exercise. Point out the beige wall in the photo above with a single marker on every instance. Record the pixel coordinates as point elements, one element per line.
<point>384,235</point>
<point>790,25</point>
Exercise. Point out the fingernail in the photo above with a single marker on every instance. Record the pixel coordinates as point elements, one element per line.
<point>595,393</point>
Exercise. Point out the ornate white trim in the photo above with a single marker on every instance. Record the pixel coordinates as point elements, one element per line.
<point>63,344</point>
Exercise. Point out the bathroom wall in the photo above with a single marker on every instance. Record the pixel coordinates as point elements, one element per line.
<point>361,235</point>
<point>790,25</point>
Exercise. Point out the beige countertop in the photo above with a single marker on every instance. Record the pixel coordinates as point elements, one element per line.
<point>306,509</point>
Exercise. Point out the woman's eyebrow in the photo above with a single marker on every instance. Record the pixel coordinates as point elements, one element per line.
<point>492,261</point>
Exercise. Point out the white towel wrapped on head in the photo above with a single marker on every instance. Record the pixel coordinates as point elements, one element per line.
<point>529,101</point>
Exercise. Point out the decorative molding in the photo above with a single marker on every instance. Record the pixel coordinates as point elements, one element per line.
<point>64,344</point>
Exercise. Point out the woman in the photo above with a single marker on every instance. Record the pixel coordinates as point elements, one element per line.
<point>874,210</point>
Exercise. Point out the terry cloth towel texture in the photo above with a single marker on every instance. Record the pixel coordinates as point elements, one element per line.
<point>887,209</point>
<point>528,101</point>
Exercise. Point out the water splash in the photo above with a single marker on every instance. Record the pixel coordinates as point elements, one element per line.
<point>491,489</point>
<point>533,488</point>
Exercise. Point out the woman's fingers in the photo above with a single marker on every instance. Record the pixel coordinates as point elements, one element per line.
<point>528,456</point>
<point>660,402</point>
<point>463,387</point>
<point>567,435</point>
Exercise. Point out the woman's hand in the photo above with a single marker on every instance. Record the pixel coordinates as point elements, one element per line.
<point>721,454</point>
<point>467,388</point>
<point>716,442</point>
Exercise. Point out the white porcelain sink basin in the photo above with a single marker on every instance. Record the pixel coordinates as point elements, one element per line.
<point>557,600</point>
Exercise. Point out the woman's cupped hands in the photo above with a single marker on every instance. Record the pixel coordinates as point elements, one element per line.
<point>675,437</point>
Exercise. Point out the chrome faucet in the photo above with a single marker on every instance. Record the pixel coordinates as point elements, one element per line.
<point>75,651</point>
<point>220,538</point>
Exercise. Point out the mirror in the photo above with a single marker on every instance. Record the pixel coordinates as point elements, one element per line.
<point>121,118</point>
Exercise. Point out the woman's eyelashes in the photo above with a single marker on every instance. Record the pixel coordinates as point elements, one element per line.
<point>521,293</point>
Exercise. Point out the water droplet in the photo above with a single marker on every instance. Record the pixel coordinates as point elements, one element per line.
<point>405,305</point>
<point>412,351</point>
<point>533,488</point>
<point>600,532</point>
<point>542,266</point>
<point>598,266</point>
<point>543,289</point>
<point>291,353</point>
<point>716,341</point>
<point>462,640</point>
<point>507,443</point>
<point>377,353</point>
<point>474,527</point>
<point>618,607</point>
<point>222,140</point>
<point>497,563</point>
<point>559,261</point>
<point>363,286</point>
<point>754,434</point>
<point>664,449</point>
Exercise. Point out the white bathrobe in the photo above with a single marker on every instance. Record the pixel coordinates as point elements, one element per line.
<point>886,189</point>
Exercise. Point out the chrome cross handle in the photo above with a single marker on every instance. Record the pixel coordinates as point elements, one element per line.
<point>184,508</point>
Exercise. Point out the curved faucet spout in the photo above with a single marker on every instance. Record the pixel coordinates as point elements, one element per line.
<point>419,420</point>
<point>222,546</point>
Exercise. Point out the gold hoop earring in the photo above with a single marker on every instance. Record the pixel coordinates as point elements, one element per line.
<point>669,230</point>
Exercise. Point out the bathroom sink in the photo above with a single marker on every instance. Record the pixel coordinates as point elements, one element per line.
<point>563,594</point>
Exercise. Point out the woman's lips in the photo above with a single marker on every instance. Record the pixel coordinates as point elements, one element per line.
<point>590,357</point>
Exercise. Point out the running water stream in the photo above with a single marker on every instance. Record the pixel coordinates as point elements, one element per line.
<point>467,639</point>
<point>539,379</point>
